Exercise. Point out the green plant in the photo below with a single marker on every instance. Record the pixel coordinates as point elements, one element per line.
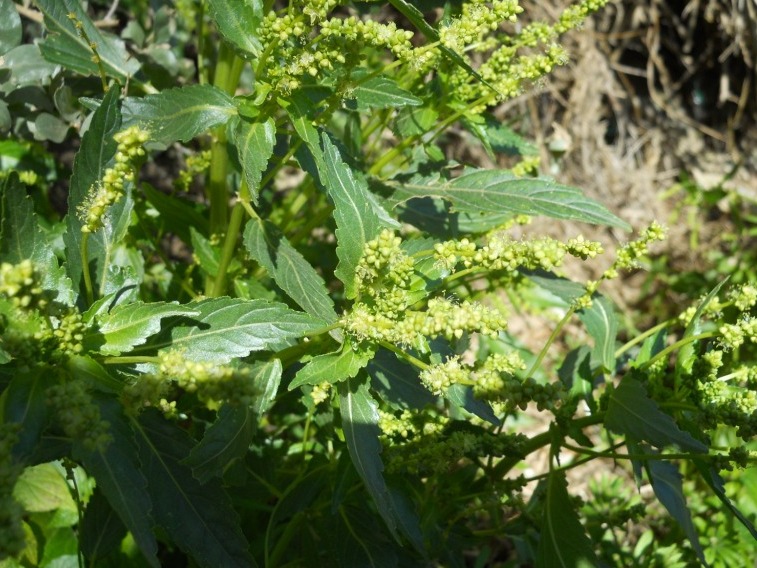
<point>332,361</point>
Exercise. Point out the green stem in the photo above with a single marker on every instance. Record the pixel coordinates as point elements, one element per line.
<point>639,338</point>
<point>405,355</point>
<point>84,252</point>
<point>130,360</point>
<point>640,457</point>
<point>229,248</point>
<point>677,345</point>
<point>555,333</point>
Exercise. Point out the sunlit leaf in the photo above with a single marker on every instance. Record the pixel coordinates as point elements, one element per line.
<point>238,22</point>
<point>254,142</point>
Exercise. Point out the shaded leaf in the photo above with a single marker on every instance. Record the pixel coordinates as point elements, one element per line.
<point>600,319</point>
<point>181,113</point>
<point>119,476</point>
<point>25,403</point>
<point>101,530</point>
<point>254,142</point>
<point>227,440</point>
<point>66,46</point>
<point>397,382</point>
<point>289,269</point>
<point>563,542</point>
<point>498,191</point>
<point>177,215</point>
<point>716,483</point>
<point>227,328</point>
<point>462,397</point>
<point>359,541</point>
<point>667,483</point>
<point>85,368</point>
<point>128,325</point>
<point>10,27</point>
<point>332,367</point>
<point>198,518</point>
<point>238,21</point>
<point>382,92</point>
<point>21,238</point>
<point>631,412</point>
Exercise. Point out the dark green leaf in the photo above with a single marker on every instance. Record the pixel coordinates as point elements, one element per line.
<point>227,440</point>
<point>85,368</point>
<point>119,476</point>
<point>199,518</point>
<point>227,328</point>
<point>575,373</point>
<point>177,215</point>
<point>713,479</point>
<point>181,113</point>
<point>462,397</point>
<point>687,353</point>
<point>563,542</point>
<point>415,121</point>
<point>599,319</point>
<point>668,487</point>
<point>293,274</point>
<point>238,22</point>
<point>65,45</point>
<point>254,142</point>
<point>101,530</point>
<point>397,382</point>
<point>497,191</point>
<point>21,238</point>
<point>631,412</point>
<point>359,541</point>
<point>26,404</point>
<point>333,367</point>
<point>267,379</point>
<point>361,432</point>
<point>382,92</point>
<point>128,325</point>
<point>652,346</point>
<point>10,27</point>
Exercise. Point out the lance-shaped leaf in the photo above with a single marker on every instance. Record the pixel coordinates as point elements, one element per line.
<point>358,540</point>
<point>687,353</point>
<point>181,113</point>
<point>131,324</point>
<point>397,382</point>
<point>667,483</point>
<point>599,319</point>
<point>238,22</point>
<point>497,191</point>
<point>227,328</point>
<point>333,367</point>
<point>198,518</point>
<point>382,92</point>
<point>289,269</point>
<point>101,531</point>
<point>254,142</point>
<point>22,239</point>
<point>119,476</point>
<point>361,432</point>
<point>631,412</point>
<point>562,542</point>
<point>25,404</point>
<point>227,440</point>
<point>66,46</point>
<point>716,483</point>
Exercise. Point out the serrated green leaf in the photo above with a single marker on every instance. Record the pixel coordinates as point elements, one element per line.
<point>289,269</point>
<point>254,142</point>
<point>120,477</point>
<point>10,27</point>
<point>382,92</point>
<point>25,403</point>
<point>227,440</point>
<point>43,488</point>
<point>631,412</point>
<point>21,238</point>
<point>667,483</point>
<point>497,191</point>
<point>600,319</point>
<point>563,542</point>
<point>199,518</point>
<point>332,367</point>
<point>66,46</point>
<point>227,328</point>
<point>716,483</point>
<point>356,218</point>
<point>360,424</point>
<point>687,353</point>
<point>129,325</point>
<point>266,379</point>
<point>238,21</point>
<point>181,113</point>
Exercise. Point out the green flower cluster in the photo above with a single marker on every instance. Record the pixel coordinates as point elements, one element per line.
<point>503,253</point>
<point>627,257</point>
<point>733,335</point>
<point>444,450</point>
<point>78,415</point>
<point>210,382</point>
<point>477,20</point>
<point>21,284</point>
<point>110,188</point>
<point>744,297</point>
<point>195,165</point>
<point>12,537</point>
